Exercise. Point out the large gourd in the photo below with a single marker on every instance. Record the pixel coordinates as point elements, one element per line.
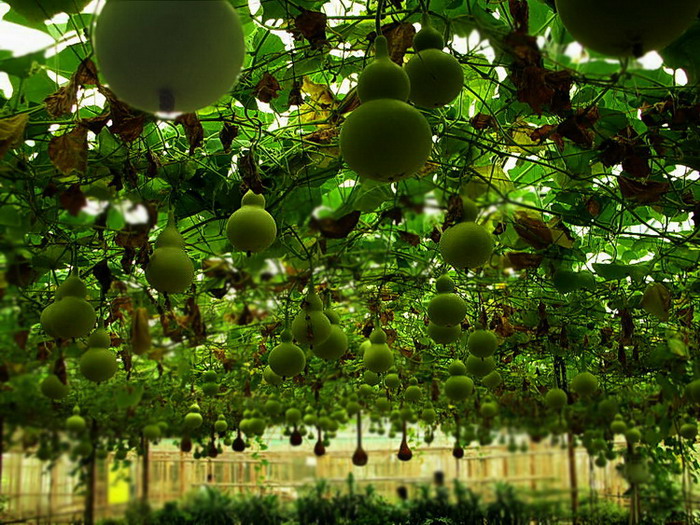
<point>378,357</point>
<point>98,363</point>
<point>446,308</point>
<point>170,270</point>
<point>251,228</point>
<point>385,139</point>
<point>627,27</point>
<point>436,77</point>
<point>161,56</point>
<point>311,326</point>
<point>70,315</point>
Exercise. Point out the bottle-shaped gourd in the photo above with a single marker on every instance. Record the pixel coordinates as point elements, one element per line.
<point>458,386</point>
<point>378,357</point>
<point>70,315</point>
<point>385,139</point>
<point>446,308</point>
<point>337,342</point>
<point>170,270</point>
<point>436,77</point>
<point>98,363</point>
<point>287,359</point>
<point>251,228</point>
<point>311,326</point>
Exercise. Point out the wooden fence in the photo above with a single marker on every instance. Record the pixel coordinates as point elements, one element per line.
<point>36,494</point>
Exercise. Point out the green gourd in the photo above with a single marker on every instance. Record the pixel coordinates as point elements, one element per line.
<point>169,56</point>
<point>98,363</point>
<point>482,343</point>
<point>466,245</point>
<point>444,335</point>
<point>436,77</point>
<point>446,308</point>
<point>169,269</point>
<point>337,342</point>
<point>70,315</point>
<point>382,78</point>
<point>378,357</point>
<point>311,326</point>
<point>287,359</point>
<point>53,388</point>
<point>251,228</point>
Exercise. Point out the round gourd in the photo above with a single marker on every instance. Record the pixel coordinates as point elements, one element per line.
<point>210,376</point>
<point>633,435</point>
<point>386,140</point>
<point>369,377</point>
<point>287,359</point>
<point>457,368</point>
<point>53,388</point>
<point>492,379</point>
<point>84,449</point>
<point>210,389</point>
<point>479,367</point>
<point>270,377</point>
<point>688,430</point>
<point>482,343</point>
<point>458,388</point>
<point>428,37</point>
<point>556,399</point>
<point>220,425</point>
<point>618,426</point>
<point>76,424</point>
<point>626,27</point>
<point>382,78</point>
<point>488,410</point>
<point>272,407</point>
<point>412,394</point>
<point>251,228</point>
<point>392,381</point>
<point>447,309</point>
<point>256,426</point>
<point>436,78</point>
<point>68,318</point>
<point>73,286</point>
<point>584,384</point>
<point>170,270</point>
<point>636,472</point>
<point>378,358</point>
<point>193,420</point>
<point>428,415</point>
<point>377,337</point>
<point>466,245</point>
<point>292,416</point>
<point>444,284</point>
<point>311,326</point>
<point>693,390</point>
<point>151,432</point>
<point>444,335</point>
<point>334,346</point>
<point>100,338</point>
<point>656,300</point>
<point>169,56</point>
<point>382,404</point>
<point>98,364</point>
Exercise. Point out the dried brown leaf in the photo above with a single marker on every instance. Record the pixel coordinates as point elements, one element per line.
<point>69,152</point>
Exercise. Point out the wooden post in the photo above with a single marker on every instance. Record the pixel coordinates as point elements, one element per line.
<point>90,486</point>
<point>144,470</point>
<point>572,478</point>
<point>2,446</point>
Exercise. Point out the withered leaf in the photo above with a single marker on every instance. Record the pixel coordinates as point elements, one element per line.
<point>103,275</point>
<point>96,123</point>
<point>193,130</point>
<point>521,15</point>
<point>86,74</point>
<point>12,131</point>
<point>62,101</point>
<point>267,88</point>
<point>296,98</point>
<point>399,36</point>
<point>410,238</point>
<point>73,200</point>
<point>312,26</point>
<point>248,170</point>
<point>532,230</point>
<point>227,134</point>
<point>643,192</point>
<point>524,260</point>
<point>336,228</point>
<point>69,152</point>
<point>483,121</point>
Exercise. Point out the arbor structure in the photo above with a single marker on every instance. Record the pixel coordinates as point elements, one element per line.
<point>211,277</point>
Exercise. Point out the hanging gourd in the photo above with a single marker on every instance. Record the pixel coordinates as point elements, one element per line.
<point>337,342</point>
<point>436,77</point>
<point>251,228</point>
<point>169,56</point>
<point>311,326</point>
<point>446,308</point>
<point>70,315</point>
<point>466,245</point>
<point>385,139</point>
<point>98,363</point>
<point>170,269</point>
<point>458,386</point>
<point>287,359</point>
<point>378,357</point>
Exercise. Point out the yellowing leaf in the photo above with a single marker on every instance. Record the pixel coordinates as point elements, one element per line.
<point>68,152</point>
<point>11,131</point>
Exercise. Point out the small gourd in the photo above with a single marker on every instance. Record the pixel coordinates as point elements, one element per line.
<point>446,308</point>
<point>251,228</point>
<point>76,424</point>
<point>170,270</point>
<point>53,388</point>
<point>458,386</point>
